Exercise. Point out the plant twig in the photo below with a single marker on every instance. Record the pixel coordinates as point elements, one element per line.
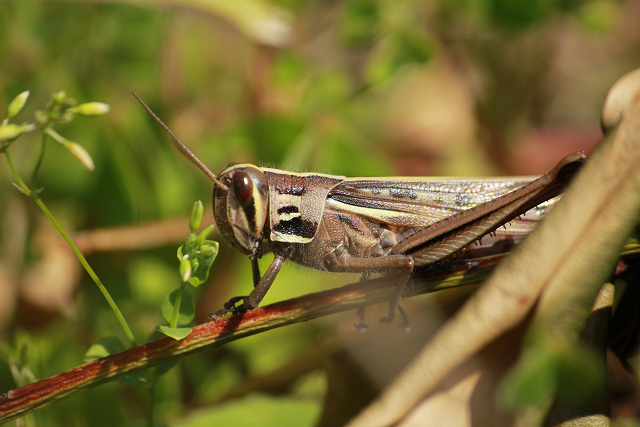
<point>23,400</point>
<point>18,402</point>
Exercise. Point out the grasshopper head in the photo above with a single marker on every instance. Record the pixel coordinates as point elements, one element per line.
<point>240,197</point>
<point>241,209</point>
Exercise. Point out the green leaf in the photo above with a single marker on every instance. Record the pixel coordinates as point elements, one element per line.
<point>571,371</point>
<point>191,245</point>
<point>208,251</point>
<point>206,256</point>
<point>187,310</point>
<point>111,345</point>
<point>533,379</point>
<point>580,374</point>
<point>200,238</point>
<point>136,379</point>
<point>195,264</point>
<point>17,104</point>
<point>175,333</point>
<point>103,348</point>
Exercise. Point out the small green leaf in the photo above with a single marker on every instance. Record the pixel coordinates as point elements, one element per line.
<point>210,248</point>
<point>187,310</point>
<point>91,109</point>
<point>135,379</point>
<point>580,374</point>
<point>207,251</point>
<point>175,333</point>
<point>191,245</point>
<point>17,104</point>
<point>204,234</point>
<point>185,270</point>
<point>532,380</point>
<point>111,345</point>
<point>103,348</point>
<point>196,216</point>
<point>205,261</point>
<point>195,264</point>
<point>180,255</point>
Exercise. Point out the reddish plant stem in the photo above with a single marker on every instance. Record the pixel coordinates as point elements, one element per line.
<point>18,402</point>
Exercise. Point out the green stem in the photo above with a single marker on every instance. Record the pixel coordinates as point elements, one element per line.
<point>176,306</point>
<point>16,175</point>
<point>36,169</point>
<point>74,248</point>
<point>87,267</point>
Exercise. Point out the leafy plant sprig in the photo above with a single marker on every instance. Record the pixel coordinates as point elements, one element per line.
<point>178,308</point>
<point>59,109</point>
<point>196,257</point>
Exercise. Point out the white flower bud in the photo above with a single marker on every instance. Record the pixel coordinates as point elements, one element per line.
<point>16,105</point>
<point>91,109</point>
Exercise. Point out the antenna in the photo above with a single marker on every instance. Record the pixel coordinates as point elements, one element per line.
<point>183,148</point>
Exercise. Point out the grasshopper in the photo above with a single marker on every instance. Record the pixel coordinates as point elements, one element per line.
<point>365,225</point>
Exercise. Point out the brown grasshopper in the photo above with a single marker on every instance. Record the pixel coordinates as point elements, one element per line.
<point>365,225</point>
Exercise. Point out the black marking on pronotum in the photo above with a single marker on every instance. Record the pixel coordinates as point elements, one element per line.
<point>297,227</point>
<point>249,210</point>
<point>288,210</point>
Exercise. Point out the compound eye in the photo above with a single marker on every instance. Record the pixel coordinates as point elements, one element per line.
<point>242,187</point>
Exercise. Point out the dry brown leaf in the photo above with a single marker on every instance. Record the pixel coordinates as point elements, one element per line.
<point>566,260</point>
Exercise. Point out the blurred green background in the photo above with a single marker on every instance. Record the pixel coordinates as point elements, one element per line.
<point>353,87</point>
